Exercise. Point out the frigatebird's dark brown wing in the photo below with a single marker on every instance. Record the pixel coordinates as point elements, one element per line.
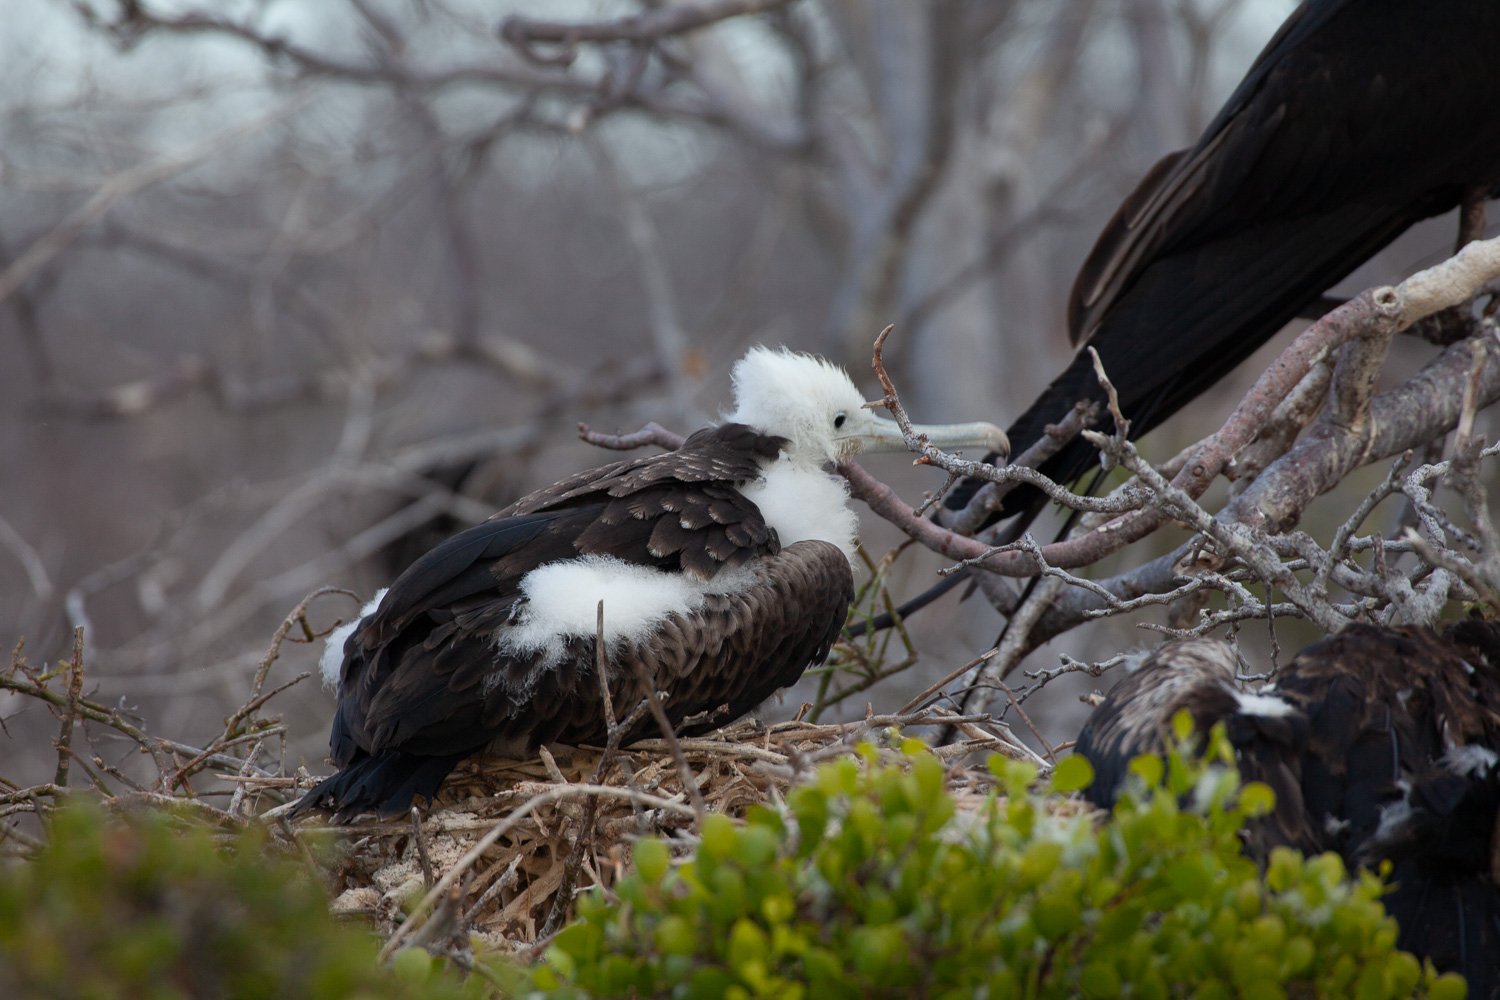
<point>424,683</point>
<point>1381,744</point>
<point>1196,676</point>
<point>713,664</point>
<point>1356,121</point>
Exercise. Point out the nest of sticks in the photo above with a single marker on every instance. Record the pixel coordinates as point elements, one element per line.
<point>508,845</point>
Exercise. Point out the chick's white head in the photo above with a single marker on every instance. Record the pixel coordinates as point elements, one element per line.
<point>811,403</point>
<point>816,407</point>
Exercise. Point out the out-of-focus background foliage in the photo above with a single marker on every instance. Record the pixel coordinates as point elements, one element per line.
<point>285,284</point>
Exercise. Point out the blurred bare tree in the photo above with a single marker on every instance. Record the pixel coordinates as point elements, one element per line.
<point>284,282</point>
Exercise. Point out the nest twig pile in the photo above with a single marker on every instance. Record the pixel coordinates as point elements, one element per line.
<point>508,845</point>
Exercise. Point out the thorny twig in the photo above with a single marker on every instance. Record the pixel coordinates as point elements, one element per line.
<point>871,659</point>
<point>1069,665</point>
<point>653,702</point>
<point>70,713</point>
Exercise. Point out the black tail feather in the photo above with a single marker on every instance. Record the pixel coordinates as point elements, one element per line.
<point>384,784</point>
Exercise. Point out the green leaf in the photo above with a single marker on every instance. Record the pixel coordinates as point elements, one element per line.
<point>1057,915</point>
<point>1099,979</point>
<point>718,836</point>
<point>1073,773</point>
<point>747,944</point>
<point>675,936</point>
<point>1297,957</point>
<point>928,773</point>
<point>757,846</point>
<point>1015,776</point>
<point>810,806</point>
<point>1149,768</point>
<point>412,965</point>
<point>764,816</point>
<point>1182,725</point>
<point>652,858</point>
<point>1448,986</point>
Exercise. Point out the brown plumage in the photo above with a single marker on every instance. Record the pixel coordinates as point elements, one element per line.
<point>1381,745</point>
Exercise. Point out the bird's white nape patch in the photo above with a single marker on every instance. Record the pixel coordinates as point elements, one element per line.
<point>1264,705</point>
<point>1471,760</point>
<point>562,602</point>
<point>331,663</point>
<point>803,504</point>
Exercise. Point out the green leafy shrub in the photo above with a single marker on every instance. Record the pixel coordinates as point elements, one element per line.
<point>147,906</point>
<point>870,884</point>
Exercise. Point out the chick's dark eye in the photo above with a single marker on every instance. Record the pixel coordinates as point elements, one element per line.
<point>838,421</point>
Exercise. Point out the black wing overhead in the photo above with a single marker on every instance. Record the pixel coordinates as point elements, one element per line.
<point>1356,121</point>
<point>1193,195</point>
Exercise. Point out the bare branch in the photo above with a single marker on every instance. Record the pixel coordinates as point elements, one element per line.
<point>652,434</point>
<point>526,33</point>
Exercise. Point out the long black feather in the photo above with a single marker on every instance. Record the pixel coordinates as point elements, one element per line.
<point>1357,120</point>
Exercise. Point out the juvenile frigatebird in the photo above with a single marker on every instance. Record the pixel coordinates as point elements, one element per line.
<point>1381,744</point>
<point>1358,119</point>
<point>723,568</point>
